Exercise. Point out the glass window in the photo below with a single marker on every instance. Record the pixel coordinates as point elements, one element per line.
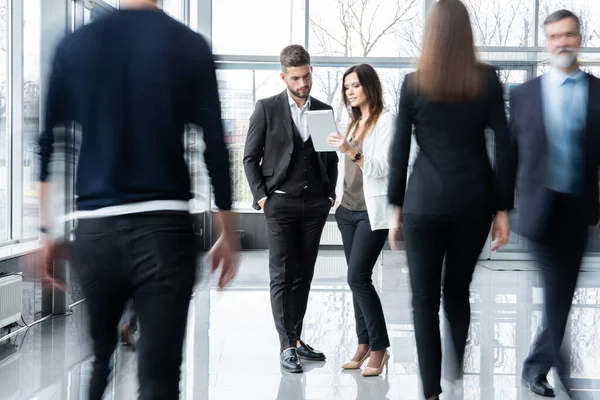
<point>588,12</point>
<point>265,26</point>
<point>502,22</point>
<point>386,28</point>
<point>249,85</point>
<point>31,113</point>
<point>4,145</point>
<point>198,172</point>
<point>194,15</point>
<point>174,8</point>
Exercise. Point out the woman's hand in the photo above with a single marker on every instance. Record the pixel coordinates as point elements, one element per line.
<point>339,142</point>
<point>500,230</point>
<point>395,234</point>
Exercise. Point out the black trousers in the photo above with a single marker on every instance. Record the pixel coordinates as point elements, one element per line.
<point>559,254</point>
<point>430,240</point>
<point>294,227</point>
<point>152,259</point>
<point>362,247</point>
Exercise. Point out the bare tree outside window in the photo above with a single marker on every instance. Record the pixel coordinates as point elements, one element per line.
<point>360,28</point>
<point>495,23</point>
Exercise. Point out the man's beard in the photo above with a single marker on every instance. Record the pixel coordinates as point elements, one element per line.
<point>564,57</point>
<point>303,95</point>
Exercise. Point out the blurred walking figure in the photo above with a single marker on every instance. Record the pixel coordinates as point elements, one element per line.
<point>454,194</point>
<point>555,131</point>
<point>132,81</point>
<point>364,214</point>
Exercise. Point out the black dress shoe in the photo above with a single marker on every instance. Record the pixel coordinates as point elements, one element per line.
<point>306,352</point>
<point>290,361</point>
<point>540,386</point>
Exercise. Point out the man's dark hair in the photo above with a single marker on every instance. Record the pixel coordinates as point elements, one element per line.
<point>560,15</point>
<point>294,55</point>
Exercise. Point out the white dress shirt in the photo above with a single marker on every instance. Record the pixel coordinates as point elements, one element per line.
<point>299,116</point>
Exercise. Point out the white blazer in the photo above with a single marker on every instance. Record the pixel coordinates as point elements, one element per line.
<point>376,170</point>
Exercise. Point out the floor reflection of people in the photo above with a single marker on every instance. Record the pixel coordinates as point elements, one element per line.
<point>292,387</point>
<point>371,389</point>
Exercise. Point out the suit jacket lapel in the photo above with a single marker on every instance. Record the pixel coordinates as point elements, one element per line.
<point>284,108</point>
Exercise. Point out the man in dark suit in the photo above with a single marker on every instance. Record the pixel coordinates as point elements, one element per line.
<point>295,186</point>
<point>555,130</point>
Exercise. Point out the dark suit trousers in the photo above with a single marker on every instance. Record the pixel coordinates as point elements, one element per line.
<point>152,259</point>
<point>294,227</point>
<point>428,240</point>
<point>362,247</point>
<point>559,254</point>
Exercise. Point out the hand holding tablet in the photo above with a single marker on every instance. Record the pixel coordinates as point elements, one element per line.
<point>338,141</point>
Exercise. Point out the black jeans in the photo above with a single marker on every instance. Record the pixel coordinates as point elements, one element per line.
<point>152,259</point>
<point>294,227</point>
<point>429,240</point>
<point>559,256</point>
<point>362,247</point>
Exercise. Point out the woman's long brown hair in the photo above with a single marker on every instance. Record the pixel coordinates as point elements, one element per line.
<point>448,69</point>
<point>369,80</point>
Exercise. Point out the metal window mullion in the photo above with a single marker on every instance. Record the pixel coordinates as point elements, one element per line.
<point>15,116</point>
<point>205,19</point>
<point>186,12</point>
<point>536,23</point>
<point>306,23</point>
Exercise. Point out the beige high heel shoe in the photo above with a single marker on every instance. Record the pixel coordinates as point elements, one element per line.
<point>370,371</point>
<point>356,364</point>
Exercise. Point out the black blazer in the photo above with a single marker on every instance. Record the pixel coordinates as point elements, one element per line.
<point>452,175</point>
<point>269,147</point>
<point>528,140</point>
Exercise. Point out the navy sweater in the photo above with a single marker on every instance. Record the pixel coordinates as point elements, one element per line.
<point>132,81</point>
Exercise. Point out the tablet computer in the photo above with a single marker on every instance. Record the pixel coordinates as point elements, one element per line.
<point>321,124</point>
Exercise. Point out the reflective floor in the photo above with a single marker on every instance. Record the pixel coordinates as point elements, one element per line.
<point>231,350</point>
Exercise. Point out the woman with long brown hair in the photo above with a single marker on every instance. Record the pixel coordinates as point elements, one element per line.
<point>454,193</point>
<point>364,214</point>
